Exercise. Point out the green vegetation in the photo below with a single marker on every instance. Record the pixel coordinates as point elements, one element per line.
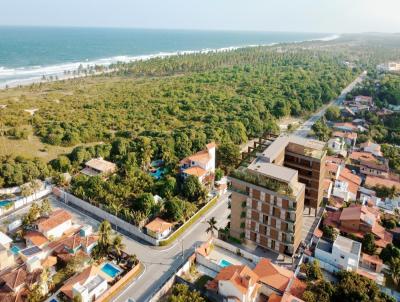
<point>188,223</point>
<point>258,180</point>
<point>332,113</point>
<point>312,270</point>
<point>368,244</point>
<point>182,293</point>
<point>329,232</point>
<point>350,287</point>
<point>321,130</point>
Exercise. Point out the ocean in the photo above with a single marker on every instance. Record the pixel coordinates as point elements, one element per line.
<point>29,53</point>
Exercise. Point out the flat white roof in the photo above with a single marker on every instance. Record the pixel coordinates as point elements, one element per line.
<point>348,245</point>
<point>273,171</point>
<point>4,239</point>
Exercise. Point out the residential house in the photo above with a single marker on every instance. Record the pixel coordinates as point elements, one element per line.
<point>389,205</point>
<point>158,228</point>
<point>87,286</point>
<point>55,225</point>
<point>389,66</point>
<point>373,181</point>
<point>368,197</point>
<point>275,279</point>
<point>370,164</point>
<point>99,166</point>
<point>12,283</point>
<point>350,138</point>
<point>371,262</point>
<point>35,238</point>
<point>240,283</point>
<point>358,221</point>
<point>67,248</point>
<point>337,146</point>
<point>200,164</point>
<point>6,257</point>
<point>346,185</point>
<point>342,254</point>
<point>345,127</point>
<point>347,112</point>
<point>236,283</point>
<point>371,147</point>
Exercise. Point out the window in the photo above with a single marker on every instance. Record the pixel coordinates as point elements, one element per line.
<point>341,256</point>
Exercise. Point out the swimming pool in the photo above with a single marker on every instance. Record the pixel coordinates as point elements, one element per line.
<point>5,203</point>
<point>224,263</point>
<point>158,173</point>
<point>111,270</point>
<point>15,250</point>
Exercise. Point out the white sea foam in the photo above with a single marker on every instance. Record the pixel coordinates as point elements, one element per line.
<point>11,77</point>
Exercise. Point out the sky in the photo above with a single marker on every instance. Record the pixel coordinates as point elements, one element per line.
<point>327,16</point>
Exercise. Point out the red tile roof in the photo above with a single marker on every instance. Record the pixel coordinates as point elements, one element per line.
<point>372,181</point>
<point>158,225</point>
<point>273,275</point>
<point>56,218</point>
<point>80,278</point>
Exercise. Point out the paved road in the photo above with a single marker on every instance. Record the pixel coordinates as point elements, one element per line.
<point>160,265</point>
<point>305,128</point>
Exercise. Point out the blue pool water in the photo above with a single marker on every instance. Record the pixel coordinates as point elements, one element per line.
<point>15,250</point>
<point>110,270</point>
<point>158,173</point>
<point>224,263</point>
<point>4,203</point>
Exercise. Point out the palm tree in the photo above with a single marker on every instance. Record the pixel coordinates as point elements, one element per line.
<point>105,236</point>
<point>118,246</point>
<point>35,185</point>
<point>212,226</point>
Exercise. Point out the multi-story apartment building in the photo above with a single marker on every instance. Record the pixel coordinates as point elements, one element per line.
<point>269,193</point>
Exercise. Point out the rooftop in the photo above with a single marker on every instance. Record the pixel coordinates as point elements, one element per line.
<point>4,239</point>
<point>56,218</point>
<point>101,165</point>
<point>158,225</point>
<point>273,171</point>
<point>348,245</point>
<point>30,251</point>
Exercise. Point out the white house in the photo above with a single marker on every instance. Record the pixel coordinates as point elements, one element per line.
<point>373,148</point>
<point>237,283</point>
<point>343,254</point>
<point>342,190</point>
<point>338,146</point>
<point>200,164</point>
<point>389,205</point>
<point>56,225</point>
<point>158,228</point>
<point>89,285</point>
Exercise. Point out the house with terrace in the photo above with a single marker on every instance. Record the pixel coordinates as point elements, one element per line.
<point>200,165</point>
<point>266,281</point>
<point>87,286</point>
<point>350,138</point>
<point>359,220</point>
<point>99,167</point>
<point>342,254</point>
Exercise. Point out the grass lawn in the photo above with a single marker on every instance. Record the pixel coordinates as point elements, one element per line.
<point>201,282</point>
<point>32,147</point>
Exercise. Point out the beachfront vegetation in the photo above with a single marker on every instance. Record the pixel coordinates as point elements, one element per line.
<point>227,96</point>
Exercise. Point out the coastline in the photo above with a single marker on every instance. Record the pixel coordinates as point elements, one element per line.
<point>67,71</point>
